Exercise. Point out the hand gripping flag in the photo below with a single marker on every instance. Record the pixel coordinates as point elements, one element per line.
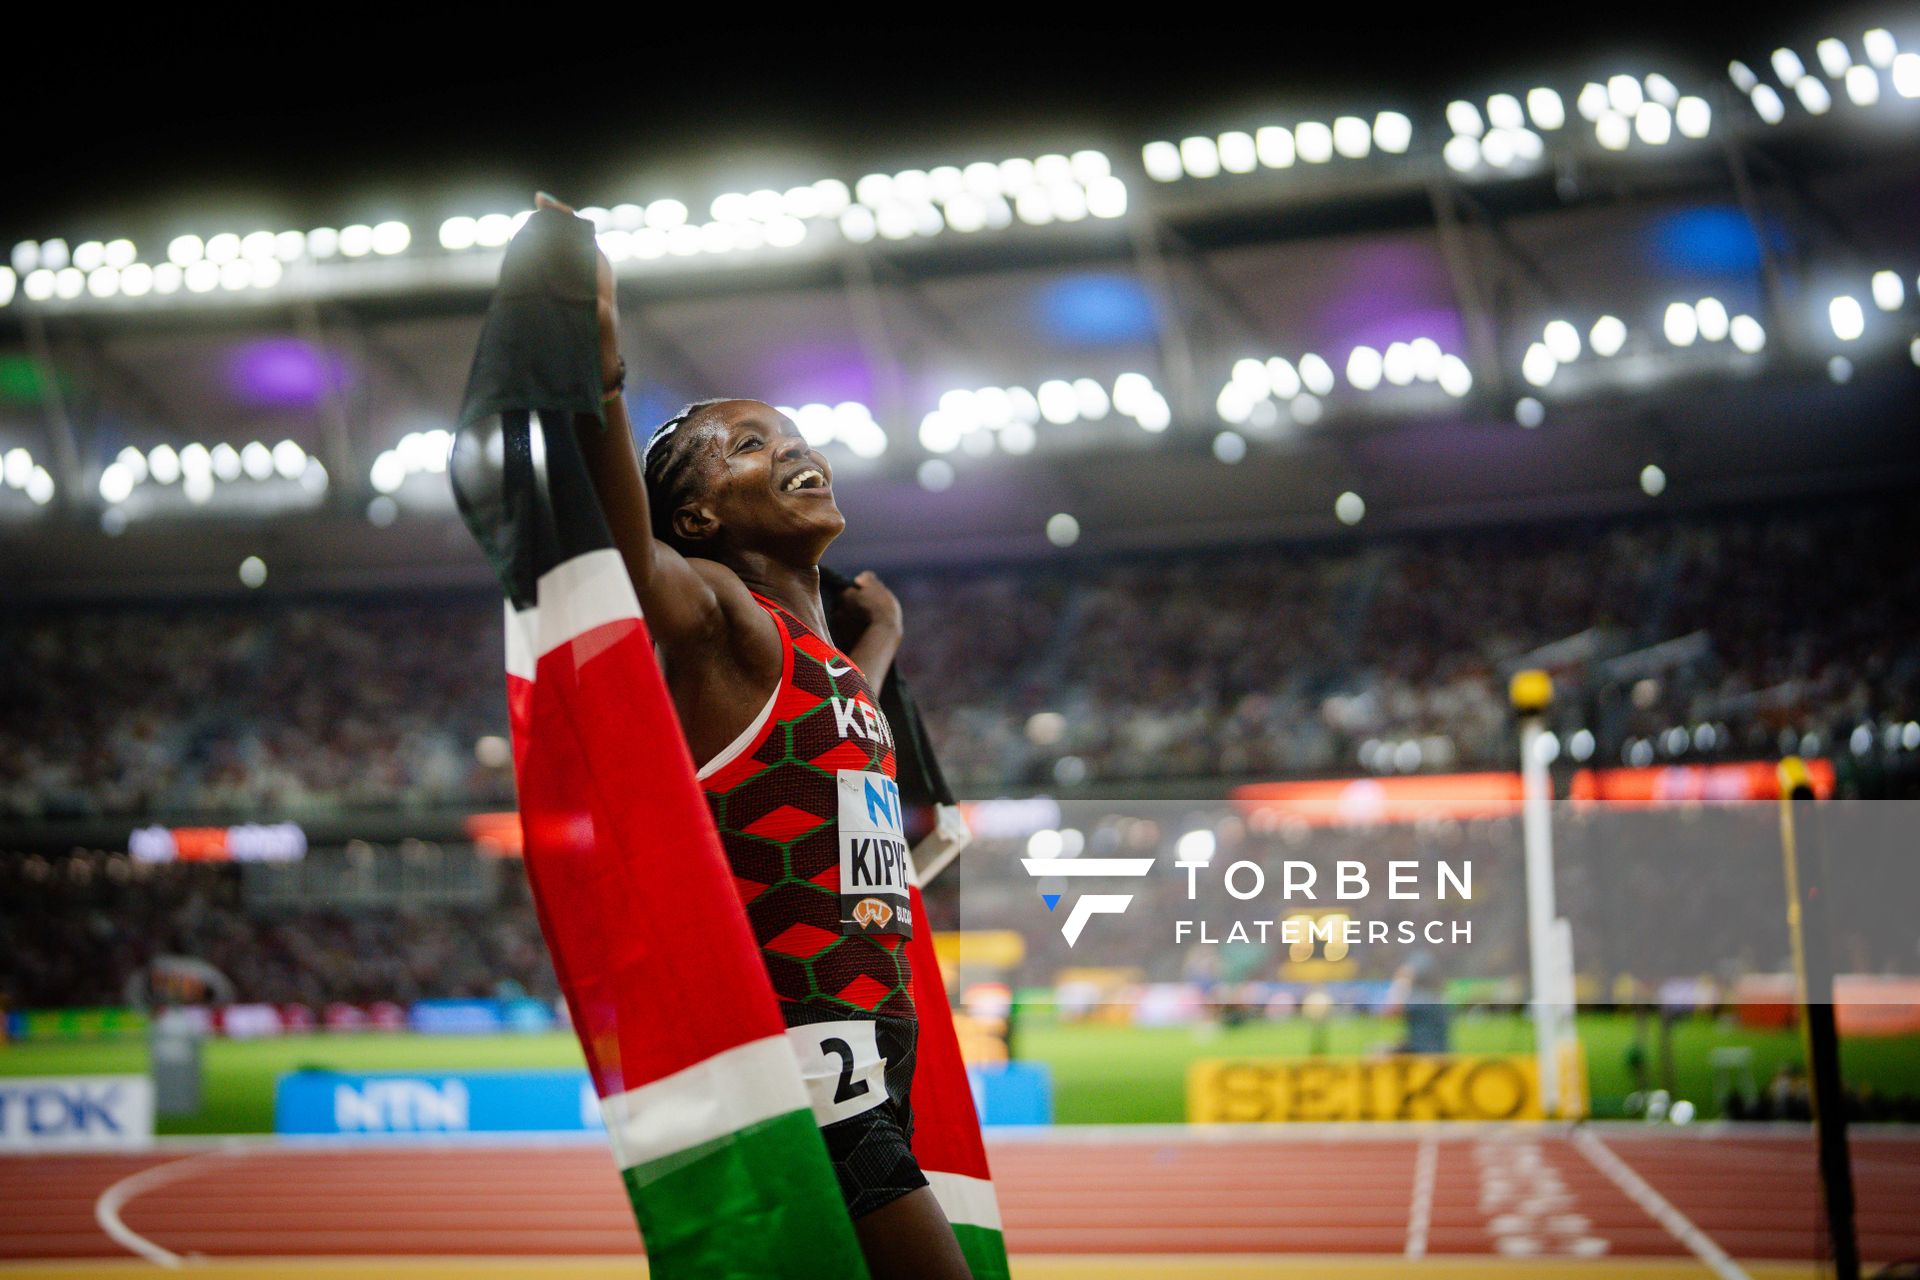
<point>946,1128</point>
<point>702,1094</point>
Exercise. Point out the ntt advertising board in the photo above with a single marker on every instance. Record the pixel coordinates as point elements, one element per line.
<point>65,1113</point>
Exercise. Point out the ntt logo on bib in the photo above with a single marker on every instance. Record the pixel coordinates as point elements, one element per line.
<point>1088,905</point>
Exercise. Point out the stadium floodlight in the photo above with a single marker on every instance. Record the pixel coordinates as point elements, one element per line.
<point>1461,153</point>
<point>459,234</point>
<point>1456,378</point>
<point>1314,141</point>
<point>1464,119</point>
<point>1529,412</point>
<point>89,255</point>
<point>1654,124</point>
<point>1592,102</point>
<point>1906,75</point>
<point>226,462</point>
<point>1767,103</point>
<point>1427,358</point>
<point>1352,138</point>
<point>116,483</point>
<point>26,256</point>
<point>256,460</point>
<point>1349,508</point>
<point>388,472</point>
<point>1680,324</point>
<point>1161,160</point>
<point>1363,368</point>
<point>1397,364</point>
<point>8,283</point>
<point>1661,90</point>
<point>1840,369</point>
<point>289,459</point>
<point>1017,438</point>
<point>136,281</point>
<point>1863,85</point>
<point>69,283</point>
<point>324,242</point>
<point>236,275</point>
<point>1813,95</point>
<point>1613,131</point>
<point>857,224</point>
<point>196,460</point>
<point>1889,290</point>
<point>1653,480</point>
<point>1236,152</point>
<point>133,462</point>
<point>1880,47</point>
<point>1538,366</point>
<point>1742,76</point>
<point>1546,109</point>
<point>1199,157</point>
<point>1062,529</point>
<point>53,254</point>
<point>935,475</point>
<point>1834,58</point>
<point>1305,409</point>
<point>1607,336</point>
<point>1283,378</point>
<point>1787,67</point>
<point>223,248</point>
<point>1846,317</point>
<point>1625,94</point>
<point>163,464</point>
<point>1693,117</point>
<point>103,282</point>
<point>186,250</point>
<point>1316,374</point>
<point>1392,132</point>
<point>1747,334</point>
<point>1252,378</point>
<point>17,467</point>
<point>1274,145</point>
<point>1563,341</point>
<point>1504,112</point>
<point>167,278</point>
<point>1497,148</point>
<point>1091,399</point>
<point>203,277</point>
<point>40,487</point>
<point>1230,447</point>
<point>38,285</point>
<point>1711,316</point>
<point>1106,197</point>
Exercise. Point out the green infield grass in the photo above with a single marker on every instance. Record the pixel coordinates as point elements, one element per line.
<point>1102,1073</point>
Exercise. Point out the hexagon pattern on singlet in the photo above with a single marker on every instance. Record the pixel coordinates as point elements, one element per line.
<point>777,808</point>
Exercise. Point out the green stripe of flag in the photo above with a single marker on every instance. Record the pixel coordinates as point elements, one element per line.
<point>760,1202</point>
<point>986,1251</point>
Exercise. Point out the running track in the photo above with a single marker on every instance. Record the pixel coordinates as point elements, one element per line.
<point>1614,1192</point>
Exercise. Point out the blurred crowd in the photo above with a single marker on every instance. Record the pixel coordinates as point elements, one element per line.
<point>1797,632</point>
<point>88,929</point>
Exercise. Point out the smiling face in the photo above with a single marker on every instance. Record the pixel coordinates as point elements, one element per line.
<point>754,485</point>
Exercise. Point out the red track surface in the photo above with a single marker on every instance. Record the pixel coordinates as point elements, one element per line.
<point>1512,1191</point>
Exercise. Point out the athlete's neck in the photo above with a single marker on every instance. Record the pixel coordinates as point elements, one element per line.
<point>796,587</point>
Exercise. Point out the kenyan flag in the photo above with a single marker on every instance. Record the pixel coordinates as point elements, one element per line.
<point>701,1091</point>
<point>946,1130</point>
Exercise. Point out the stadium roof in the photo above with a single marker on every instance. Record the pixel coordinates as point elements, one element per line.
<point>1386,318</point>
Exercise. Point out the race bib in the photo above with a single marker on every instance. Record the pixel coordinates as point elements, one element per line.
<point>874,871</point>
<point>842,1067</point>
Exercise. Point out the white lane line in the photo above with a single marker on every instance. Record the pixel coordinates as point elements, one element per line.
<point>1420,1215</point>
<point>106,1210</point>
<point>1657,1206</point>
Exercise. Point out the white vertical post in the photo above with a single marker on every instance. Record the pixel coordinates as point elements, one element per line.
<point>1536,799</point>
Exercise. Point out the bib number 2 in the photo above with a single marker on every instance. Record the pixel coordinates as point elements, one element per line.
<point>841,1064</point>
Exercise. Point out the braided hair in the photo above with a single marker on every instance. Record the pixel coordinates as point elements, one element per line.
<point>669,465</point>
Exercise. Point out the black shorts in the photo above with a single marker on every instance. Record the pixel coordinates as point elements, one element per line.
<point>860,1074</point>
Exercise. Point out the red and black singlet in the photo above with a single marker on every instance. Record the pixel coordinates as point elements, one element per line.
<point>805,800</point>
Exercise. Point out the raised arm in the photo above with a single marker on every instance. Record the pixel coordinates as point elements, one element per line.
<point>681,604</point>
